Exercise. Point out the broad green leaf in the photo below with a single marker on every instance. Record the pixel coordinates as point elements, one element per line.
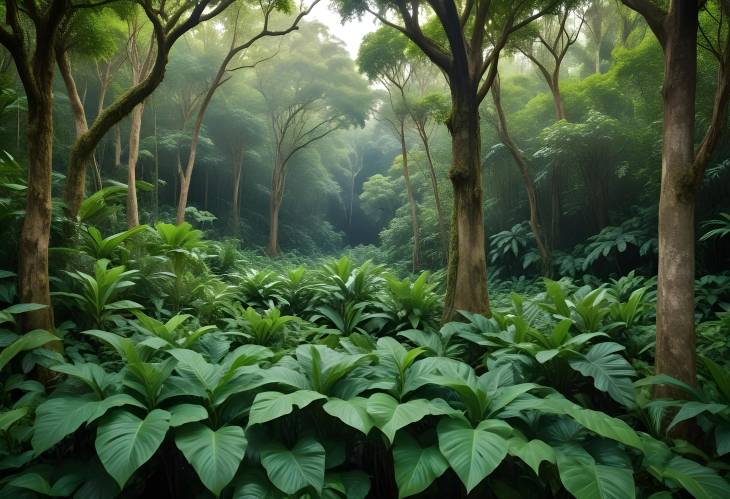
<point>722,439</point>
<point>293,469</point>
<point>181,414</point>
<point>28,341</point>
<point>691,409</point>
<point>351,484</point>
<point>32,481</point>
<point>584,478</point>
<point>719,375</point>
<point>472,453</point>
<point>352,412</point>
<point>192,363</point>
<point>8,418</point>
<point>416,467</point>
<point>215,455</point>
<point>532,452</point>
<point>58,417</point>
<point>254,484</point>
<point>611,372</point>
<point>596,421</point>
<point>22,308</point>
<point>390,416</point>
<point>698,480</point>
<point>268,406</point>
<point>124,442</point>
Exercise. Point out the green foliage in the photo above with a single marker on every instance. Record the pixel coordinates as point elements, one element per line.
<point>263,404</point>
<point>98,296</point>
<point>719,227</point>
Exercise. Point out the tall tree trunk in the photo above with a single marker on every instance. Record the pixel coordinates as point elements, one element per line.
<point>675,334</point>
<point>236,194</point>
<point>466,287</point>
<point>557,98</point>
<point>503,131</point>
<point>435,187</point>
<point>416,259</point>
<point>117,146</point>
<point>135,128</point>
<point>76,178</point>
<point>277,194</point>
<point>187,175</point>
<point>33,283</point>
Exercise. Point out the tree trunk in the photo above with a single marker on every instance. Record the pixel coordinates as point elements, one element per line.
<point>117,146</point>
<point>675,334</point>
<point>557,98</point>
<point>33,283</point>
<point>187,177</point>
<point>416,259</point>
<point>466,287</point>
<point>435,186</point>
<point>277,194</point>
<point>135,127</point>
<point>236,197</point>
<point>76,177</point>
<point>521,163</point>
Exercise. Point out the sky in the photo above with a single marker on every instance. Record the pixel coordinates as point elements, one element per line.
<point>350,33</point>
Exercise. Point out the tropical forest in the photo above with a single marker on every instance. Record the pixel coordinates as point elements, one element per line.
<point>350,249</point>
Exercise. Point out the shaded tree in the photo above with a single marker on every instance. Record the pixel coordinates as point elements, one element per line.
<point>683,166</point>
<point>303,108</point>
<point>464,42</point>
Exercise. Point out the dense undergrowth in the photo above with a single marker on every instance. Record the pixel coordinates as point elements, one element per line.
<point>184,368</point>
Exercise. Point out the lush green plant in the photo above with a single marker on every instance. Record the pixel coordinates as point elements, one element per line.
<point>413,304</point>
<point>98,294</point>
<point>516,242</point>
<point>264,404</point>
<point>98,247</point>
<point>261,289</point>
<point>343,281</point>
<point>178,243</point>
<point>720,227</point>
<point>170,334</point>
<point>269,328</point>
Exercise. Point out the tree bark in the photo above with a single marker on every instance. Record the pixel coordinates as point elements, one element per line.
<point>675,334</point>
<point>503,132</point>
<point>416,258</point>
<point>135,127</point>
<point>76,181</point>
<point>33,283</point>
<point>236,197</point>
<point>278,178</point>
<point>466,287</point>
<point>187,175</point>
<point>117,146</point>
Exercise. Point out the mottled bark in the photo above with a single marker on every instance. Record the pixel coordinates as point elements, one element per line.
<point>33,283</point>
<point>467,269</point>
<point>682,174</point>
